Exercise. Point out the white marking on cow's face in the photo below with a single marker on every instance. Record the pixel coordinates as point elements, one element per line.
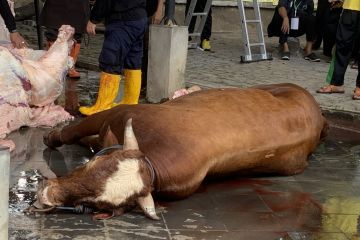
<point>122,184</point>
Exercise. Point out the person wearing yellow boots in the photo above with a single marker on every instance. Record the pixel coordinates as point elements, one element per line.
<point>125,25</point>
<point>71,12</point>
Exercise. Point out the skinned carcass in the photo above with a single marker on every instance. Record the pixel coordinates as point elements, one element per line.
<point>30,82</point>
<point>169,148</point>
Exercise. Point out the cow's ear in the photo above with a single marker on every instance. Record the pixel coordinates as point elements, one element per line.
<point>147,205</point>
<point>130,142</point>
<point>110,138</point>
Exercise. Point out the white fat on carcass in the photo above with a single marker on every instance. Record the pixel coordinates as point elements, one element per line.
<point>30,82</point>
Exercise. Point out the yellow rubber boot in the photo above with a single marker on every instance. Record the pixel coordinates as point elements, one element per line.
<point>132,87</point>
<point>108,90</point>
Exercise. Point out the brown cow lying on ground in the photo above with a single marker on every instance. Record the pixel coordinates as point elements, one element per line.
<point>170,148</point>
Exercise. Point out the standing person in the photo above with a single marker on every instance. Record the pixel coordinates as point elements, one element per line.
<point>206,32</point>
<point>70,12</point>
<point>8,29</point>
<point>294,18</point>
<point>154,9</point>
<point>327,18</point>
<point>348,30</point>
<point>125,26</point>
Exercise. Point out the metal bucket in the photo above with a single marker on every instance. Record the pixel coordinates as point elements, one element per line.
<point>4,189</point>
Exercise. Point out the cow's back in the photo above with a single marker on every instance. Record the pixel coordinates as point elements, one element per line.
<point>268,128</point>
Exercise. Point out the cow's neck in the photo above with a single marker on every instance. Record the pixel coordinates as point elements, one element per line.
<point>151,171</point>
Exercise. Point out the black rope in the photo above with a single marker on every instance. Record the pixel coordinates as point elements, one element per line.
<point>105,150</point>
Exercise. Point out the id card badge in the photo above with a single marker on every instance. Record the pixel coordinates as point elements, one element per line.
<point>294,23</point>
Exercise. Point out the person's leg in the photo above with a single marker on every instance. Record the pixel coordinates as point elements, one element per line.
<point>356,95</point>
<point>344,43</point>
<point>206,33</point>
<point>307,25</point>
<point>74,53</point>
<point>345,35</point>
<point>329,39</point>
<point>193,19</point>
<point>132,63</point>
<point>274,29</point>
<point>111,63</point>
<point>356,52</point>
<point>322,12</point>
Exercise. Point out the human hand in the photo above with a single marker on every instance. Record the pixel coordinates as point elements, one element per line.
<point>285,28</point>
<point>17,40</point>
<point>156,18</point>
<point>336,4</point>
<point>90,28</point>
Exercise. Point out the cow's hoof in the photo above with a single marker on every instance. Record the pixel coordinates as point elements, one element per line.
<point>53,139</point>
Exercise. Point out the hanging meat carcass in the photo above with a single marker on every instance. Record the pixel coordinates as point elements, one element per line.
<point>30,82</point>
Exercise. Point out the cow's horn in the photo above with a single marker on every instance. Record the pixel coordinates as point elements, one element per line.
<point>147,205</point>
<point>130,142</point>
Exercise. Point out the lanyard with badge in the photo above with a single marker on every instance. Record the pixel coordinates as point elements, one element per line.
<point>295,19</point>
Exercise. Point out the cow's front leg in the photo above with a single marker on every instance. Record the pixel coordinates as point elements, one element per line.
<point>53,139</point>
<point>71,134</point>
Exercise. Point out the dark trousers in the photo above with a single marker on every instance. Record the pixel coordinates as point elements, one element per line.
<point>306,26</point>
<point>327,20</point>
<point>348,31</point>
<point>123,46</point>
<point>356,51</point>
<point>200,5</point>
<point>144,66</point>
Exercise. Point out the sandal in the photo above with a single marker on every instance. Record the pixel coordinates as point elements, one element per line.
<point>356,95</point>
<point>330,89</point>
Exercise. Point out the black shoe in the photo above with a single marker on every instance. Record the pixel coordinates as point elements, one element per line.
<point>285,56</point>
<point>312,57</point>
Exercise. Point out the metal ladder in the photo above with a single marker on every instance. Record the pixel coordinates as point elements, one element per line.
<point>195,36</point>
<point>249,56</point>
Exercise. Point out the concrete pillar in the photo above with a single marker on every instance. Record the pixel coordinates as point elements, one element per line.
<point>167,61</point>
<point>4,189</point>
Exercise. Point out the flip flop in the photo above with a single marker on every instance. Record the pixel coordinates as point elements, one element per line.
<point>329,89</point>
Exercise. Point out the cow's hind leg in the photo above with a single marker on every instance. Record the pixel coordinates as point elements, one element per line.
<point>68,135</point>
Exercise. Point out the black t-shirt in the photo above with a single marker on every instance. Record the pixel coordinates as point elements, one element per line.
<point>304,7</point>
<point>151,6</point>
<point>124,10</point>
